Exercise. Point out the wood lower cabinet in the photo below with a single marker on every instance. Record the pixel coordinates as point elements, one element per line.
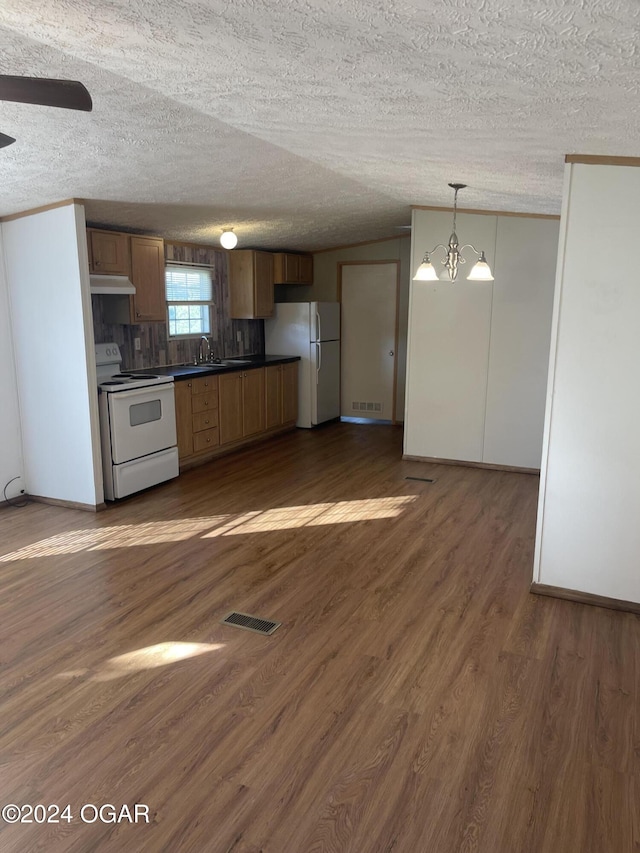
<point>230,407</point>
<point>289,392</point>
<point>253,414</point>
<point>273,395</point>
<point>184,422</point>
<point>213,414</point>
<point>197,416</point>
<point>281,394</point>
<point>242,410</point>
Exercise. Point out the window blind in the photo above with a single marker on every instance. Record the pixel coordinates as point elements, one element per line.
<point>190,285</point>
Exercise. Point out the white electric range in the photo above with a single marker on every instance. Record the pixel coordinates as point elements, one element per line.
<point>137,426</point>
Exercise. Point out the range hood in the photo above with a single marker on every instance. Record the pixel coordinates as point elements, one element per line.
<point>115,284</point>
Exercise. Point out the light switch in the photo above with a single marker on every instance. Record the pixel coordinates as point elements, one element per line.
<point>136,344</point>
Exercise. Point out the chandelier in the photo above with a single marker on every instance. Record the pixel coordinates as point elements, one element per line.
<point>480,271</point>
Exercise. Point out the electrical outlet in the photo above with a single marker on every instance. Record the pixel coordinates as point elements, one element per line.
<point>136,344</point>
<point>239,336</point>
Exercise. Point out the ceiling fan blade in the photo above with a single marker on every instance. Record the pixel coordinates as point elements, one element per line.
<point>68,94</point>
<point>5,140</point>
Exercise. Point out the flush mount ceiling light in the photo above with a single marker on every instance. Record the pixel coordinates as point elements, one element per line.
<point>480,270</point>
<point>228,240</point>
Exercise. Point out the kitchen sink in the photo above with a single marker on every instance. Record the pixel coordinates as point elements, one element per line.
<point>212,365</point>
<point>192,366</point>
<point>197,366</point>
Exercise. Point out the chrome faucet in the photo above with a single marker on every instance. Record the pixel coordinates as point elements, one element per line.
<point>204,340</point>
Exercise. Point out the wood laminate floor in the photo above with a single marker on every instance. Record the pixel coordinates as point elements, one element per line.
<point>417,698</point>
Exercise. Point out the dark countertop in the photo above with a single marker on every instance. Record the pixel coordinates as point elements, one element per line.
<point>188,371</point>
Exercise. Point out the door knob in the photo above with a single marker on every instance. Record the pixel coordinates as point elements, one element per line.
<point>390,352</point>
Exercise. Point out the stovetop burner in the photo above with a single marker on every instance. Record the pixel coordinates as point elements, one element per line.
<point>134,376</point>
<point>109,360</point>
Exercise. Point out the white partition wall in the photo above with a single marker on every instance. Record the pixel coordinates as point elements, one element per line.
<point>526,254</point>
<point>588,537</point>
<point>47,277</point>
<point>478,351</point>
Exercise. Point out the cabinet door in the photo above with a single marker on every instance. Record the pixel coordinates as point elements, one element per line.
<point>230,407</point>
<point>184,425</point>
<point>305,270</point>
<point>289,380</point>
<point>273,396</point>
<point>109,252</point>
<point>253,402</point>
<point>263,284</point>
<point>147,275</point>
<point>292,268</point>
<point>241,283</point>
<point>286,268</point>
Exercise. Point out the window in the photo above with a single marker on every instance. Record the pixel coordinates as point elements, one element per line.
<point>189,295</point>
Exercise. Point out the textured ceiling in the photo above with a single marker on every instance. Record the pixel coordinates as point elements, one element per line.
<point>312,124</point>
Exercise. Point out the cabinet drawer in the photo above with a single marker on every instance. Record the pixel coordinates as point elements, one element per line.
<point>204,384</point>
<point>205,440</point>
<point>205,420</point>
<point>204,402</point>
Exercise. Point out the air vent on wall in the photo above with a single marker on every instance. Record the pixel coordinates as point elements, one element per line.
<point>366,407</point>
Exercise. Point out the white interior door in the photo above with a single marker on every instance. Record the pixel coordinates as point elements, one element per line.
<point>369,294</point>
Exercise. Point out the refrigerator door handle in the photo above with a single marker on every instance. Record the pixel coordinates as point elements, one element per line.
<point>318,327</point>
<point>318,362</point>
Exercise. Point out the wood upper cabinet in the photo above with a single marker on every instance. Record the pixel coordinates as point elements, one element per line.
<point>109,252</point>
<point>142,260</point>
<point>281,394</point>
<point>147,275</point>
<point>250,284</point>
<point>292,269</point>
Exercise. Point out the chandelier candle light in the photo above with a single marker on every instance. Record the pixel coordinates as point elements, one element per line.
<point>480,270</point>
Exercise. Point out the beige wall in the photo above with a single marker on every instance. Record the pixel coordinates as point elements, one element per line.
<point>325,289</point>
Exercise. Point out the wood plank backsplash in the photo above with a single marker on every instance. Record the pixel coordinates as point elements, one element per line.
<point>156,348</point>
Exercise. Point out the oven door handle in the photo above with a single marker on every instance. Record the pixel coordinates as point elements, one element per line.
<point>139,392</point>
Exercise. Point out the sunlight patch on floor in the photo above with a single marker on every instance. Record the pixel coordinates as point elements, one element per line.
<point>150,657</point>
<point>289,517</point>
<point>260,521</point>
<point>121,536</point>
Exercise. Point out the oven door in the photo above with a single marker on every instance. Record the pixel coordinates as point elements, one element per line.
<point>141,421</point>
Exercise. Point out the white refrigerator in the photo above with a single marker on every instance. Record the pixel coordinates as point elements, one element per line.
<point>312,331</point>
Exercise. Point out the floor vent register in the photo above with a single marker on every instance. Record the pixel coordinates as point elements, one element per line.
<point>251,623</point>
